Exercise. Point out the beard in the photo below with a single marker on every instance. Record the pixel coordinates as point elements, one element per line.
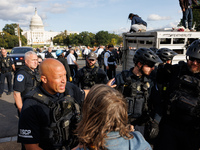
<point>194,68</point>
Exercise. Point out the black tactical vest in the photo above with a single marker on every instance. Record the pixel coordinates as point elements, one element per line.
<point>5,64</point>
<point>35,80</point>
<point>64,116</point>
<point>90,78</point>
<point>112,57</point>
<point>184,102</point>
<point>136,94</point>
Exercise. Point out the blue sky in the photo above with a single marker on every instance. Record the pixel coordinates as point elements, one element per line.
<point>90,15</point>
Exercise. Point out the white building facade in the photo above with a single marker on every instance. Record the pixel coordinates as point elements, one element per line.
<point>37,35</point>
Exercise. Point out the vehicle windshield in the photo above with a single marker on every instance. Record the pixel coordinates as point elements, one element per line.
<point>20,50</point>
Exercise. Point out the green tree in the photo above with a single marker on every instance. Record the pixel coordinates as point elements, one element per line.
<point>102,38</point>
<point>11,39</point>
<point>10,28</point>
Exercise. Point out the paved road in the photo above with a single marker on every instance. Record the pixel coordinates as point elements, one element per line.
<point>9,119</point>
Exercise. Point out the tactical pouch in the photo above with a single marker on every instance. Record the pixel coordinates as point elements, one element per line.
<point>130,102</point>
<point>135,106</point>
<point>182,103</point>
<point>138,108</point>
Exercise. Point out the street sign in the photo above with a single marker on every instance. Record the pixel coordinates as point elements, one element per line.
<point>16,31</point>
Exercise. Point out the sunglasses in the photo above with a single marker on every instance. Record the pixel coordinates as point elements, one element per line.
<point>151,65</point>
<point>193,59</point>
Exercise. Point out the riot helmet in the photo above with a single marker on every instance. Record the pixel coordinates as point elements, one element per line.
<point>146,57</point>
<point>153,49</point>
<point>166,54</point>
<point>194,49</point>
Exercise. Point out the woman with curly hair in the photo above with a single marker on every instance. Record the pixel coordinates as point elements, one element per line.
<point>104,124</point>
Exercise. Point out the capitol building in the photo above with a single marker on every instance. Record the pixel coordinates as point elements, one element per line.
<point>37,35</point>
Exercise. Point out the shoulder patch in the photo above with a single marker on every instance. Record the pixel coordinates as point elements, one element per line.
<point>20,77</point>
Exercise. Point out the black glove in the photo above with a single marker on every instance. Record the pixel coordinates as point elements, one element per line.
<point>154,130</point>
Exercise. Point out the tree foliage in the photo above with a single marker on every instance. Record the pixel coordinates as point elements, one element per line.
<point>8,39</point>
<point>88,39</point>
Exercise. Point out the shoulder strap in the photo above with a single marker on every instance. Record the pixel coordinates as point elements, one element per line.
<point>95,70</point>
<point>126,78</point>
<point>37,95</point>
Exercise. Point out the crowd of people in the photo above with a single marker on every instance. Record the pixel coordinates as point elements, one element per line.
<point>153,105</point>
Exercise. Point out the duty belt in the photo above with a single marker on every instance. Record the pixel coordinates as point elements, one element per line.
<point>189,6</point>
<point>5,71</point>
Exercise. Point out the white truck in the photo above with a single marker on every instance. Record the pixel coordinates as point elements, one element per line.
<point>177,41</point>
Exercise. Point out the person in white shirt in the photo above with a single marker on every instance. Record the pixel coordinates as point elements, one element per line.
<point>110,62</point>
<point>99,52</point>
<point>72,63</point>
<point>86,52</point>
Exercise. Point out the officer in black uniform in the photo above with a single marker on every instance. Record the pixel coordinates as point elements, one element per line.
<point>110,62</point>
<point>135,85</point>
<point>180,124</point>
<point>90,75</point>
<point>26,78</point>
<point>51,111</point>
<point>6,66</point>
<point>48,53</point>
<point>156,98</point>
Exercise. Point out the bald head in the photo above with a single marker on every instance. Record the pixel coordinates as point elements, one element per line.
<point>53,76</point>
<point>49,65</point>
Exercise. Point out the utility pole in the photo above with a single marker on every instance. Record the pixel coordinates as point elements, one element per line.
<point>20,44</point>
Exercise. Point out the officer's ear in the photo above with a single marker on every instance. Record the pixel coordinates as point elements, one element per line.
<point>43,79</point>
<point>139,65</point>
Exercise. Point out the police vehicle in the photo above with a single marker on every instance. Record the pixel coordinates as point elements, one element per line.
<point>18,54</point>
<point>164,38</point>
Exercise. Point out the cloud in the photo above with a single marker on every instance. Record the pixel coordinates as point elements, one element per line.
<point>58,8</point>
<point>172,24</point>
<point>155,17</point>
<point>120,30</point>
<point>18,11</point>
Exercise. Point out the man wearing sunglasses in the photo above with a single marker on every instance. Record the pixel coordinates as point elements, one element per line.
<point>90,75</point>
<point>180,123</point>
<point>135,86</point>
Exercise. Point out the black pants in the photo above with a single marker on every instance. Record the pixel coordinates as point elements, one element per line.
<point>100,62</point>
<point>7,75</point>
<point>111,72</point>
<point>73,70</point>
<point>171,138</point>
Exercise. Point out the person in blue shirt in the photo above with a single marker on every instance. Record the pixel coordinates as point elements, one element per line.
<point>137,24</point>
<point>104,123</point>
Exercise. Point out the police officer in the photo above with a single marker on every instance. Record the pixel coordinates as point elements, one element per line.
<point>50,111</point>
<point>166,55</point>
<point>25,78</point>
<point>110,62</point>
<point>48,53</point>
<point>156,98</point>
<point>6,66</point>
<point>60,56</point>
<point>135,86</point>
<point>180,124</point>
<point>90,75</point>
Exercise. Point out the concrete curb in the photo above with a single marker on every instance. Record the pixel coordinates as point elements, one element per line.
<point>8,139</point>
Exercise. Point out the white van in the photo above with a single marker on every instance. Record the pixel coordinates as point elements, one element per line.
<point>177,41</point>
